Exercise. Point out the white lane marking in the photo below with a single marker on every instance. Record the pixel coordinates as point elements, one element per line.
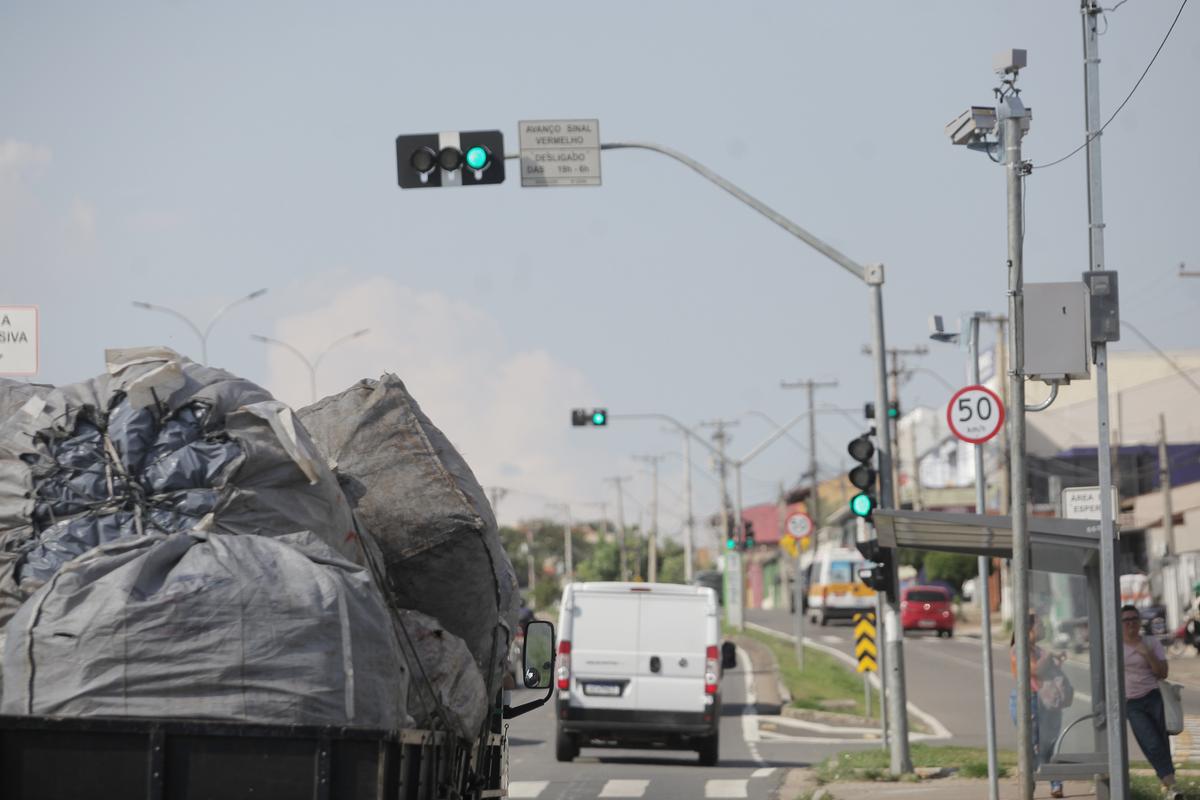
<point>735,788</point>
<point>527,789</point>
<point>749,721</point>
<point>939,730</point>
<point>616,788</point>
<point>764,772</point>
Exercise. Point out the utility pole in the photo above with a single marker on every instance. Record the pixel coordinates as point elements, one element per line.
<point>1114,662</point>
<point>652,557</point>
<point>891,427</point>
<point>1012,116</point>
<point>568,557</point>
<point>618,481</point>
<point>814,506</point>
<point>810,387</point>
<point>733,558</point>
<point>689,538</point>
<point>1164,484</point>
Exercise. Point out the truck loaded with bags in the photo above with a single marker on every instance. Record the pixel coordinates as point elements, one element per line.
<point>204,594</point>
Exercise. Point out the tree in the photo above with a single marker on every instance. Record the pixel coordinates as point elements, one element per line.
<point>604,564</point>
<point>953,568</point>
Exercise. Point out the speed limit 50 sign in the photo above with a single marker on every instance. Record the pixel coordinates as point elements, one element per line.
<point>975,414</point>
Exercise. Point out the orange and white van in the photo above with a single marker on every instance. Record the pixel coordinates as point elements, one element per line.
<point>834,590</point>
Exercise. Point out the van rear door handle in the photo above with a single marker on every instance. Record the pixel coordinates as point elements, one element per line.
<point>655,664</point>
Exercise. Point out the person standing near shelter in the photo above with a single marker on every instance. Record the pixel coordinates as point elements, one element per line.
<point>1047,719</point>
<point>1145,666</point>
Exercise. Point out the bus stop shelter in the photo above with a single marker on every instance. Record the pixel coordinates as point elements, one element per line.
<point>1068,551</point>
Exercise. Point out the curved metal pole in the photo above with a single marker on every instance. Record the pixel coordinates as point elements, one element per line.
<point>812,241</point>
<point>199,335</point>
<point>222,311</point>
<point>312,372</point>
<point>1042,406</point>
<point>336,342</point>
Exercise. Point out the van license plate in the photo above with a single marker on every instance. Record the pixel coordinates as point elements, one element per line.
<point>602,689</point>
<point>926,623</point>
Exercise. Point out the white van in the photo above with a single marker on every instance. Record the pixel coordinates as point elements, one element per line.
<point>639,665</point>
<point>834,588</point>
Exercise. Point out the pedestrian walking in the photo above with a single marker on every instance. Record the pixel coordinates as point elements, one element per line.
<point>1145,666</point>
<point>1051,694</point>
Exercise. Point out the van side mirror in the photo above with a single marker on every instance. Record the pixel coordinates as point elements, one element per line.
<point>728,655</point>
<point>537,655</point>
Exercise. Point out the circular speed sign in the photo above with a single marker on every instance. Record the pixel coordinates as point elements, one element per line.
<point>799,524</point>
<point>975,414</point>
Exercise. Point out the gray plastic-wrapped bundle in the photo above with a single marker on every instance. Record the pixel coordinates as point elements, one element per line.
<point>242,628</point>
<point>444,679</point>
<point>421,504</point>
<point>157,445</point>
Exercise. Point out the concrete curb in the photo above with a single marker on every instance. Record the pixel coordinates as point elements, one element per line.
<point>769,700</point>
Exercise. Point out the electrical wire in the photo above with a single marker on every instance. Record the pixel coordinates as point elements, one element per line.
<point>1089,139</point>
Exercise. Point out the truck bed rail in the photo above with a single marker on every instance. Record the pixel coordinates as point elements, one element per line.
<point>56,758</point>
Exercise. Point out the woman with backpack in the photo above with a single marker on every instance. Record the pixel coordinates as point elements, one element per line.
<point>1051,691</point>
<point>1145,666</point>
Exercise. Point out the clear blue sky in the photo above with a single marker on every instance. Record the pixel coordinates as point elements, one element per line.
<point>186,153</point>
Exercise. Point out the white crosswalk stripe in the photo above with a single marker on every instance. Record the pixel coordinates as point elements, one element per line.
<point>529,790</point>
<point>725,788</point>
<point>615,788</point>
<point>764,772</point>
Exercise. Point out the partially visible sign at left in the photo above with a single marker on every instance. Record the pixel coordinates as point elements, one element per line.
<point>18,340</point>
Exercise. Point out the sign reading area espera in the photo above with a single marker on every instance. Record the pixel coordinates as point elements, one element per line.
<point>560,152</point>
<point>18,340</point>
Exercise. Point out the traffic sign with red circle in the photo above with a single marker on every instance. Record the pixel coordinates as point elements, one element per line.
<point>975,414</point>
<point>799,524</point>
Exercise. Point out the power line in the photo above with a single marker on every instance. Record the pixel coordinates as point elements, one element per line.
<point>1090,138</point>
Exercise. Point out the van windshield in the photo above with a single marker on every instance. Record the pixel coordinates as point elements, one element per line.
<point>841,571</point>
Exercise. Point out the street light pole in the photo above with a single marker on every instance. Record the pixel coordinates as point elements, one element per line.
<point>652,556</point>
<point>202,335</point>
<point>314,363</point>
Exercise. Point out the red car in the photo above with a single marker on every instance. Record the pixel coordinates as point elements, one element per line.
<point>926,608</point>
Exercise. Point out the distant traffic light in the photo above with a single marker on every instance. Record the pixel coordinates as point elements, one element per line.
<point>862,476</point>
<point>748,541</point>
<point>456,158</point>
<point>581,417</point>
<point>880,574</point>
<point>893,410</point>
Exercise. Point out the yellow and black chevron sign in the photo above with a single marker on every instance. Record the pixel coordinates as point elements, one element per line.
<point>864,642</point>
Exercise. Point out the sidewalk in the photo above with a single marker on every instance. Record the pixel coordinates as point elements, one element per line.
<point>801,783</point>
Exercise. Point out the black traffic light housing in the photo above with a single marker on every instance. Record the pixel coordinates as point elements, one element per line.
<point>862,475</point>
<point>893,410</point>
<point>748,541</point>
<point>455,158</point>
<point>880,574</point>
<point>597,417</point>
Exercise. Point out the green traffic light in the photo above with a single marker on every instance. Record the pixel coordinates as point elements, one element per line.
<point>862,504</point>
<point>730,544</point>
<point>477,157</point>
<point>599,418</point>
<point>893,412</point>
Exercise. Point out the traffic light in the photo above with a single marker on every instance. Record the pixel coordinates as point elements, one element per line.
<point>893,410</point>
<point>748,541</point>
<point>878,575</point>
<point>597,416</point>
<point>456,158</point>
<point>862,476</point>
<point>730,541</point>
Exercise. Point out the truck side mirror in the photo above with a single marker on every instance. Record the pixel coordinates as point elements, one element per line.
<point>537,655</point>
<point>728,655</point>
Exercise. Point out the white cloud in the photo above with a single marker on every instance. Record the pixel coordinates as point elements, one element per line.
<point>16,155</point>
<point>506,412</point>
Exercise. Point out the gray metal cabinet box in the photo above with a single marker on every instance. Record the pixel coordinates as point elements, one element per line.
<point>1056,335</point>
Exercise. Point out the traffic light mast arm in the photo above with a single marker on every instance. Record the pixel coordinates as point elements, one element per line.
<point>846,263</point>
